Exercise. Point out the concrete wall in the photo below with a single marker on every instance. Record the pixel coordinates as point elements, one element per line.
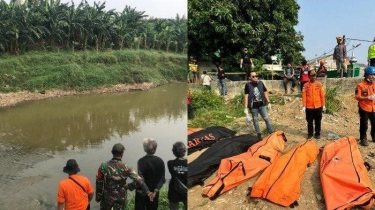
<point>347,85</point>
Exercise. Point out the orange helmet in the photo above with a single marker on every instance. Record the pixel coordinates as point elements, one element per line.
<point>321,62</point>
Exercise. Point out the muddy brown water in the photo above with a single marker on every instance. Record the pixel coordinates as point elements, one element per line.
<point>37,138</point>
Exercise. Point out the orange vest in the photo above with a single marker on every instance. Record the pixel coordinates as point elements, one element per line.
<point>365,89</point>
<point>313,95</point>
<point>344,177</point>
<point>281,182</point>
<point>237,169</point>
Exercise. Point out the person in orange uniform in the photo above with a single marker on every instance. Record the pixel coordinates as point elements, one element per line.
<point>365,95</point>
<point>313,104</point>
<point>76,191</point>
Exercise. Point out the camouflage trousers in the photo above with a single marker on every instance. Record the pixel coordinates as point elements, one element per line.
<point>119,205</point>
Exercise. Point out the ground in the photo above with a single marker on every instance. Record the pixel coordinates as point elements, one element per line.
<point>11,99</point>
<point>291,120</point>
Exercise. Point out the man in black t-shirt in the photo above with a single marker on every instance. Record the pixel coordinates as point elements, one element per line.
<point>221,81</point>
<point>246,63</point>
<point>178,168</point>
<point>256,99</point>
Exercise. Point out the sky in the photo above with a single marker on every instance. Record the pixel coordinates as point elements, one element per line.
<point>321,21</point>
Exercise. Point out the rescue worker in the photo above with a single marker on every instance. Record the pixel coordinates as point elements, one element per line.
<point>371,54</point>
<point>313,103</point>
<point>111,183</point>
<point>339,55</point>
<point>365,94</point>
<point>256,99</point>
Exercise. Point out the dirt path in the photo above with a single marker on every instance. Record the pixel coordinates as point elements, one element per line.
<point>292,121</point>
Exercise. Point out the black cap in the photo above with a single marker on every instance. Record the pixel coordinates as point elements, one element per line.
<point>71,167</point>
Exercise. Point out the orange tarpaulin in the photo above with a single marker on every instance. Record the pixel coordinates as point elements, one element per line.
<point>281,181</point>
<point>237,169</point>
<point>344,177</point>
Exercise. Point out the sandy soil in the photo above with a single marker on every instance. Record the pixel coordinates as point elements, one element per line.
<point>292,121</point>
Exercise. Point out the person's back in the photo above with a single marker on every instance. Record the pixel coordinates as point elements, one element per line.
<point>153,170</point>
<point>76,191</point>
<point>72,194</point>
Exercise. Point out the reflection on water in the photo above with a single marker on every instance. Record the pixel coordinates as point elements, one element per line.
<point>37,138</point>
<point>88,120</point>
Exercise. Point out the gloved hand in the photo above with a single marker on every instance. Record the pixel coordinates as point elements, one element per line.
<point>241,66</point>
<point>269,106</point>
<point>303,109</point>
<point>246,111</point>
<point>324,108</point>
<point>372,97</point>
<point>248,119</point>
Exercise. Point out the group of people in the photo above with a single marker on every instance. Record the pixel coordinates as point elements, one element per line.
<point>76,191</point>
<point>313,103</point>
<point>206,79</point>
<point>290,74</point>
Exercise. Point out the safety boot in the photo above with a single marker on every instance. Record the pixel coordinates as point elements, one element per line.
<point>364,142</point>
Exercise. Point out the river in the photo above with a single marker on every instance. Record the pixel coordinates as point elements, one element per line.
<point>37,138</point>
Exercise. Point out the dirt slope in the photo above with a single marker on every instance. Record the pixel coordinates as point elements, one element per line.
<point>292,121</point>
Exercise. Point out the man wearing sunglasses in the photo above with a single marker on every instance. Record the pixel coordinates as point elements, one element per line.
<point>256,99</point>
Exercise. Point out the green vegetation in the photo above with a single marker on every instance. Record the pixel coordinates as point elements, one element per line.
<point>54,26</point>
<point>163,200</point>
<point>332,103</point>
<point>261,26</point>
<point>35,71</point>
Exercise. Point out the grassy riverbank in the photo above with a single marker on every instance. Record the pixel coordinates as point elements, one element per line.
<point>40,71</point>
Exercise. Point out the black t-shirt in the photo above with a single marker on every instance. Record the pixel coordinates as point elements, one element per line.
<point>177,168</point>
<point>257,99</point>
<point>246,59</point>
<point>152,169</point>
<point>221,74</point>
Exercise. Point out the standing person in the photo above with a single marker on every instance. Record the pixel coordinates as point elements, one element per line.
<point>193,67</point>
<point>246,63</point>
<point>322,70</point>
<point>304,73</point>
<point>178,169</point>
<point>365,95</point>
<point>256,99</point>
<point>151,168</point>
<point>221,81</point>
<point>289,76</point>
<point>313,103</point>
<point>339,54</point>
<point>206,80</point>
<point>189,107</point>
<point>371,54</point>
<point>76,191</point>
<point>111,186</point>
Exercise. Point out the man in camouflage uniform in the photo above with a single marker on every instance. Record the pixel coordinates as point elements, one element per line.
<point>111,183</point>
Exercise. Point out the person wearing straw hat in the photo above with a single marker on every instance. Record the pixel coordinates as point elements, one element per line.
<point>76,191</point>
<point>339,55</point>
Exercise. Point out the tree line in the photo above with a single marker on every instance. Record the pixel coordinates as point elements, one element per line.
<point>52,25</point>
<point>264,27</point>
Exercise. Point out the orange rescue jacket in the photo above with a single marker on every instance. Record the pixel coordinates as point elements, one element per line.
<point>281,182</point>
<point>237,169</point>
<point>313,95</point>
<point>344,177</point>
<point>365,89</point>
